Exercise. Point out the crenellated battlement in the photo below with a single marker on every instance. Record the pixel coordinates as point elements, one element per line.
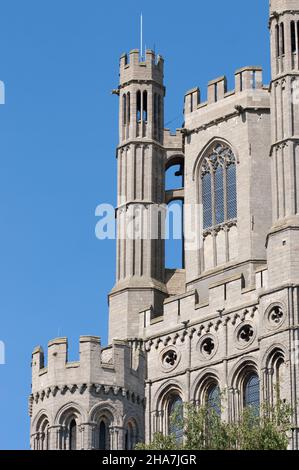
<point>248,78</point>
<point>118,363</point>
<point>132,67</point>
<point>192,307</point>
<point>173,140</point>
<point>279,6</point>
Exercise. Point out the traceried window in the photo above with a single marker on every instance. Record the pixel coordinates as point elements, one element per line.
<point>207,200</point>
<point>219,194</point>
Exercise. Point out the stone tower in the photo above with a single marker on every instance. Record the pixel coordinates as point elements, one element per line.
<point>284,236</point>
<point>140,155</point>
<point>226,325</point>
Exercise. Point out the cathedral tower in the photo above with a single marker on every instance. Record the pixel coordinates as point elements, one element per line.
<point>227,324</point>
<point>284,236</point>
<point>140,154</point>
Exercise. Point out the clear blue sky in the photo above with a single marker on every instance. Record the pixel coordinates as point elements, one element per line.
<point>58,132</point>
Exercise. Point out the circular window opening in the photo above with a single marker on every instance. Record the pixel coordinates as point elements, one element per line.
<point>276,316</point>
<point>245,335</point>
<point>207,346</point>
<point>169,359</point>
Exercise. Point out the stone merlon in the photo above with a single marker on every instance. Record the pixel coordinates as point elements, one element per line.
<point>246,78</point>
<point>119,364</point>
<point>135,68</point>
<point>280,6</point>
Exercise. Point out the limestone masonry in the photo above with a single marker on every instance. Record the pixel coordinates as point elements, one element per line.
<point>227,323</point>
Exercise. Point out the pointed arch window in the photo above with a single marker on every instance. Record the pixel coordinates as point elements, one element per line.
<point>175,417</point>
<point>43,433</point>
<point>276,369</point>
<point>282,38</point>
<point>251,392</point>
<point>218,184</point>
<point>102,436</point>
<point>128,107</point>
<point>213,399</point>
<point>125,109</point>
<point>293,36</point>
<point>138,105</point>
<point>144,117</point>
<point>46,437</point>
<point>131,436</point>
<point>277,40</point>
<point>73,435</point>
<point>278,377</point>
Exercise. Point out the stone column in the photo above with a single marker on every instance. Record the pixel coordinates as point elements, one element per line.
<point>225,412</point>
<point>34,441</point>
<point>120,437</point>
<point>62,437</point>
<point>148,412</point>
<point>154,422</point>
<point>89,436</point>
<point>238,405</point>
<point>264,384</point>
<point>271,386</point>
<point>231,404</point>
<point>54,437</point>
<point>111,438</point>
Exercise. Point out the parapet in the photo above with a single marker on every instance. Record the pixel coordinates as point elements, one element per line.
<point>173,140</point>
<point>278,6</point>
<point>246,78</point>
<point>133,67</point>
<point>115,363</point>
<point>228,294</point>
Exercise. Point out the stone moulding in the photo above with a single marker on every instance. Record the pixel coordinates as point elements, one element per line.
<point>93,388</point>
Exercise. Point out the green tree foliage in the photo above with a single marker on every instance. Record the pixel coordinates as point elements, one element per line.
<point>264,429</point>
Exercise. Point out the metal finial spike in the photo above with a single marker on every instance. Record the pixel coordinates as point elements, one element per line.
<point>141,36</point>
